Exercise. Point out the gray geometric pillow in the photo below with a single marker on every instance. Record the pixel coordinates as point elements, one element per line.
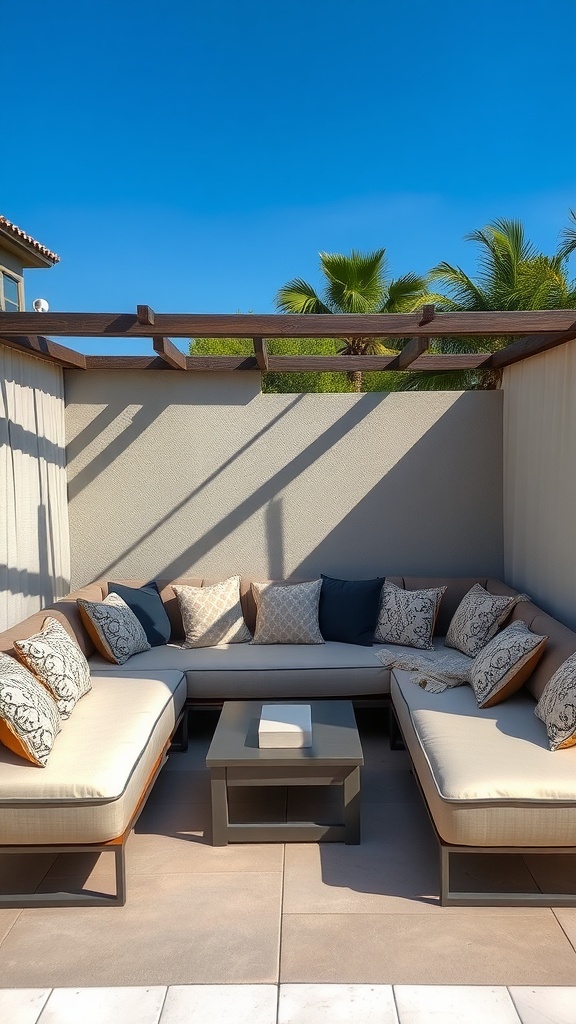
<point>408,616</point>
<point>212,615</point>
<point>287,613</point>
<point>478,618</point>
<point>115,630</point>
<point>557,706</point>
<point>29,719</point>
<point>505,663</point>
<point>57,661</point>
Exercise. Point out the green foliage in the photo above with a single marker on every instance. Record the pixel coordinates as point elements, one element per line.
<point>281,383</point>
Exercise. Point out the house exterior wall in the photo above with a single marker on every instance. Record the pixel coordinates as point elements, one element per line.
<point>540,479</point>
<point>172,473</point>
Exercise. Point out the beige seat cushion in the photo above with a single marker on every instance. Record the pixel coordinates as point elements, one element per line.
<point>99,766</point>
<point>487,774</point>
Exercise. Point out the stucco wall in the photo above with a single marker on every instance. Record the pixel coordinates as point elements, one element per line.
<point>540,479</point>
<point>171,472</point>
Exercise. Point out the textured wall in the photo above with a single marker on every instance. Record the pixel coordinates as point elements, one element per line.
<point>172,472</point>
<point>540,479</point>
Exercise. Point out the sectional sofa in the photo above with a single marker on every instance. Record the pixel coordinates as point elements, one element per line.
<point>488,779</point>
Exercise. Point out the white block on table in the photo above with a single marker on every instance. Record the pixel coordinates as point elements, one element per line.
<point>285,725</point>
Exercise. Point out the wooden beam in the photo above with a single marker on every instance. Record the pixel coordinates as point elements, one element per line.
<point>321,364</point>
<point>169,353</point>
<point>292,364</point>
<point>272,325</point>
<point>445,363</point>
<point>261,353</point>
<point>428,314</point>
<point>202,364</point>
<point>411,351</point>
<point>145,315</point>
<point>531,346</point>
<point>51,351</point>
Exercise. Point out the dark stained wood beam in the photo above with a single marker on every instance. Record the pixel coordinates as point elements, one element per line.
<point>293,364</point>
<point>202,364</point>
<point>411,351</point>
<point>261,353</point>
<point>145,315</point>
<point>169,353</point>
<point>273,325</point>
<point>43,348</point>
<point>531,346</point>
<point>444,363</point>
<point>428,314</point>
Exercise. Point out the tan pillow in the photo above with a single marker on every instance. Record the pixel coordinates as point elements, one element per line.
<point>116,632</point>
<point>57,661</point>
<point>505,663</point>
<point>212,615</point>
<point>478,618</point>
<point>408,617</point>
<point>557,706</point>
<point>287,613</point>
<point>29,718</point>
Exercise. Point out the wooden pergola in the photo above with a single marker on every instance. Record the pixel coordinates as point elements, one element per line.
<point>535,331</point>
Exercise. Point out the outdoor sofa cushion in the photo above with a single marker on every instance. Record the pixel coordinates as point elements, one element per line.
<point>487,774</point>
<point>148,608</point>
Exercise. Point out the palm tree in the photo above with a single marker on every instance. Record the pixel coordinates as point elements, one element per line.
<point>355,284</point>
<point>512,275</point>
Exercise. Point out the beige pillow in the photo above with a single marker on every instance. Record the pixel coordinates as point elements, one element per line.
<point>57,661</point>
<point>557,706</point>
<point>212,615</point>
<point>478,618</point>
<point>408,617</point>
<point>505,663</point>
<point>29,718</point>
<point>287,613</point>
<point>116,632</point>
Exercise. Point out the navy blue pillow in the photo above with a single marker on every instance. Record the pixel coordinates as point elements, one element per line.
<point>349,610</point>
<point>148,608</point>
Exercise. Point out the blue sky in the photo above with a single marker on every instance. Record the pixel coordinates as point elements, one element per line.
<point>196,156</point>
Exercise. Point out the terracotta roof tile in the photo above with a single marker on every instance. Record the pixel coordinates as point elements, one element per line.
<point>24,237</point>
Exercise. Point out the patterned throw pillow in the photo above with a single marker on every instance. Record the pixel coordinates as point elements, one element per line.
<point>557,706</point>
<point>478,618</point>
<point>114,629</point>
<point>212,615</point>
<point>287,613</point>
<point>29,719</point>
<point>408,617</point>
<point>505,663</point>
<point>57,661</point>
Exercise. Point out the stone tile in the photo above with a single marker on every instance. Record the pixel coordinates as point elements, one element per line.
<point>104,1006</point>
<point>567,918</point>
<point>409,949</point>
<point>7,921</point>
<point>454,1004</point>
<point>22,1005</point>
<point>336,1004</point>
<point>224,1004</point>
<point>548,1005</point>
<point>205,928</point>
<point>181,787</point>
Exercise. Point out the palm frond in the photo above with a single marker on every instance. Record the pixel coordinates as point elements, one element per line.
<point>355,282</point>
<point>405,294</point>
<point>462,292</point>
<point>568,238</point>
<point>299,297</point>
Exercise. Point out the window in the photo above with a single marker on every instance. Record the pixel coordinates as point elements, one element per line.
<point>11,292</point>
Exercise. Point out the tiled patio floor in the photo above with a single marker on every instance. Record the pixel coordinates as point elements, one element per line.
<point>300,914</point>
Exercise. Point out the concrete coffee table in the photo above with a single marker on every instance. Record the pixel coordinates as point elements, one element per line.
<point>334,759</point>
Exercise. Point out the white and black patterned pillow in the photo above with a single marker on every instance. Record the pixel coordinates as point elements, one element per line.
<point>287,613</point>
<point>115,630</point>
<point>478,618</point>
<point>557,706</point>
<point>29,718</point>
<point>57,661</point>
<point>505,663</point>
<point>408,617</point>
<point>212,615</point>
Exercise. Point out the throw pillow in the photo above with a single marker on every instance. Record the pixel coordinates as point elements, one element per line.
<point>505,663</point>
<point>212,615</point>
<point>57,661</point>
<point>349,610</point>
<point>29,719</point>
<point>148,607</point>
<point>478,618</point>
<point>557,706</point>
<point>408,617</point>
<point>114,629</point>
<point>287,613</point>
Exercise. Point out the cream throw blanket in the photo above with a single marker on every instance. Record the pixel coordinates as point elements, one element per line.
<point>435,671</point>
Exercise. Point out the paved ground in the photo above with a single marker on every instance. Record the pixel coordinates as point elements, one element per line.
<point>300,914</point>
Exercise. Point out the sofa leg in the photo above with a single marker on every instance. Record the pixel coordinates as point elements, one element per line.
<point>85,898</point>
